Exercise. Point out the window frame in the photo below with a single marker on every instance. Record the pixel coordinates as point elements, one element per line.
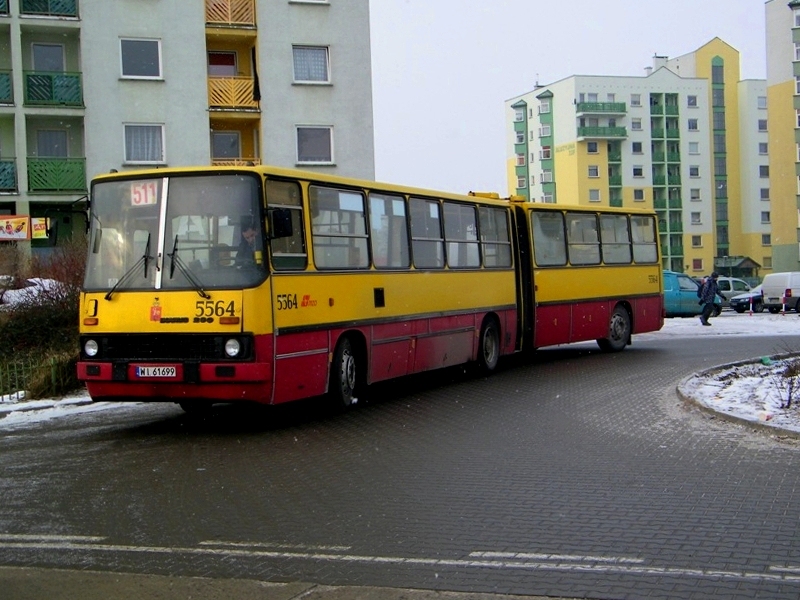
<point>132,161</point>
<point>123,75</point>
<point>301,161</point>
<point>296,80</point>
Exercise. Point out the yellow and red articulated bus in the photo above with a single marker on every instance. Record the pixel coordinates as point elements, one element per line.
<point>269,285</point>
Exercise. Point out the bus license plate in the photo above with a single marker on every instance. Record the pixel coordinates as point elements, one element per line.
<point>156,372</point>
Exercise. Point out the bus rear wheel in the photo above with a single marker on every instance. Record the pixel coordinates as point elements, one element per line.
<point>344,374</point>
<point>489,346</point>
<point>619,331</point>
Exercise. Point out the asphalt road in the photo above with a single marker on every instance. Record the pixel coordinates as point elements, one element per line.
<point>570,473</point>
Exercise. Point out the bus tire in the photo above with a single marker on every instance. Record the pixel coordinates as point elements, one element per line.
<point>344,374</point>
<point>195,407</point>
<point>489,346</point>
<point>619,331</point>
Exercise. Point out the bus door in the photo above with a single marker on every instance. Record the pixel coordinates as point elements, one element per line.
<point>525,290</point>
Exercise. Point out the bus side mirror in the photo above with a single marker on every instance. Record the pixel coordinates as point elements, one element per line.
<point>280,223</point>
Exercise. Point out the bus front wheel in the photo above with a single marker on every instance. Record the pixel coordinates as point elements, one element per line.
<point>489,346</point>
<point>619,331</point>
<point>344,374</point>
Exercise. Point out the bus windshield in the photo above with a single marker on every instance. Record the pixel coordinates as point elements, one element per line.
<point>175,232</point>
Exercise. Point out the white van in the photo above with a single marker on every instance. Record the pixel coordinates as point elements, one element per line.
<point>781,289</point>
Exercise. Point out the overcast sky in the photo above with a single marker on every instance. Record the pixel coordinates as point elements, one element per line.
<point>442,69</point>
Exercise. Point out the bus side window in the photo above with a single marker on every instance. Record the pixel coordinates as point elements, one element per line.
<point>616,239</point>
<point>388,231</point>
<point>461,233</point>
<point>583,239</point>
<point>495,241</point>
<point>288,253</point>
<point>549,246</point>
<point>338,228</point>
<point>427,244</point>
<point>643,234</point>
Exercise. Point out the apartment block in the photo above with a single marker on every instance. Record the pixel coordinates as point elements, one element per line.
<point>91,86</point>
<point>783,103</point>
<point>668,139</point>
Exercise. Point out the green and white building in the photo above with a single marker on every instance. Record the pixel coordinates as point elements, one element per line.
<point>686,138</point>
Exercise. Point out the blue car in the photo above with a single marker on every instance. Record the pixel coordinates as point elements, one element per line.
<point>680,296</point>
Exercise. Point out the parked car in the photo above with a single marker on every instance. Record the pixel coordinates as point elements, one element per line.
<point>782,289</point>
<point>730,287</point>
<point>743,302</point>
<point>680,295</point>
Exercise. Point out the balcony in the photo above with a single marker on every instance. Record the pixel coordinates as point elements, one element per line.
<point>602,132</point>
<point>674,180</point>
<point>49,8</point>
<point>236,162</point>
<point>659,180</point>
<point>659,203</point>
<point>6,88</point>
<point>232,93</point>
<point>658,157</point>
<point>231,13</point>
<point>56,174</point>
<point>673,157</point>
<point>615,157</point>
<point>618,108</point>
<point>656,109</point>
<point>671,109</point>
<point>615,180</point>
<point>8,175</point>
<point>658,133</point>
<point>49,88</point>
<point>673,133</point>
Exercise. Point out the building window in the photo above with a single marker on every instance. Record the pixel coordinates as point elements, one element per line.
<point>636,147</point>
<point>544,131</point>
<point>315,145</point>
<point>767,262</point>
<point>763,171</point>
<point>519,115</point>
<point>533,157</point>
<point>694,195</point>
<point>520,160</point>
<point>636,124</point>
<point>144,144</point>
<point>520,137</point>
<point>696,218</point>
<point>522,183</point>
<point>694,171</point>
<point>766,239</point>
<point>311,64</point>
<point>691,101</point>
<point>636,99</point>
<point>222,64</point>
<point>594,195</point>
<point>765,193</point>
<point>594,171</point>
<point>718,97</point>
<point>545,153</point>
<point>762,102</point>
<point>141,59</point>
<point>697,264</point>
<point>693,125</point>
<point>544,107</point>
<point>532,135</point>
<point>763,148</point>
<point>765,216</point>
<point>697,241</point>
<point>225,145</point>
<point>591,147</point>
<point>762,124</point>
<point>638,171</point>
<point>533,180</point>
<point>546,177</point>
<point>548,199</point>
<point>638,195</point>
<point>796,51</point>
<point>694,147</point>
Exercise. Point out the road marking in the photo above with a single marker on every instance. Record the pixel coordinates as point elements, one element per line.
<point>53,538</point>
<point>273,545</point>
<point>577,564</point>
<point>557,557</point>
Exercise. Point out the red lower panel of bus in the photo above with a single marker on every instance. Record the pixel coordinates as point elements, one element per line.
<point>301,362</point>
<point>568,323</point>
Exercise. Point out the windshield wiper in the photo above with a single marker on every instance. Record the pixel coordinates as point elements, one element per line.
<point>176,261</point>
<point>126,277</point>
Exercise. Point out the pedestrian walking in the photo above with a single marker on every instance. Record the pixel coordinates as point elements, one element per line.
<point>708,294</point>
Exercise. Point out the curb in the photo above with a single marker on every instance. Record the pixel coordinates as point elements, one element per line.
<point>757,425</point>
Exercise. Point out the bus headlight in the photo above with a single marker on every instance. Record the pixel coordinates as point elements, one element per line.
<point>90,348</point>
<point>232,348</point>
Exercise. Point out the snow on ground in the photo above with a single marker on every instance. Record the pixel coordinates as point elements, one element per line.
<point>752,391</point>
